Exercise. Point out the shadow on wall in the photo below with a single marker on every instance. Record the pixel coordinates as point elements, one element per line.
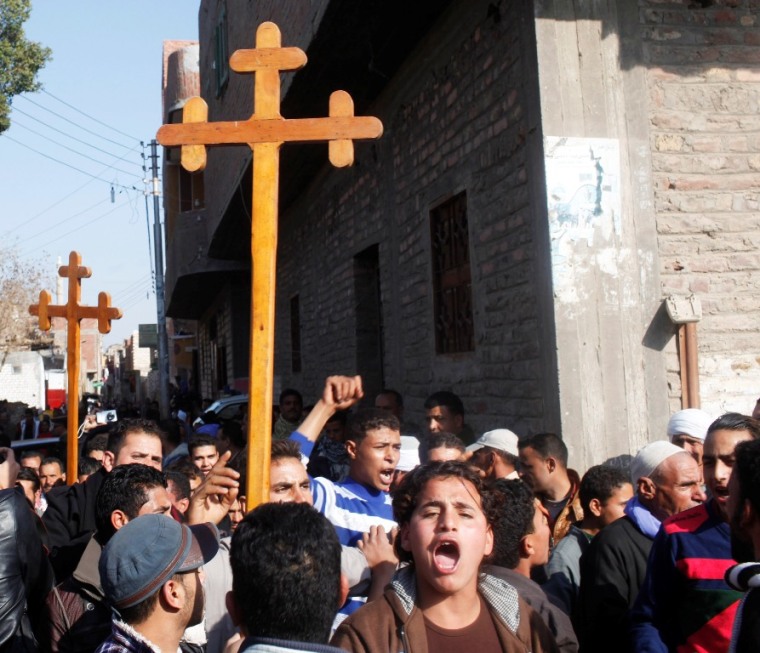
<point>660,330</point>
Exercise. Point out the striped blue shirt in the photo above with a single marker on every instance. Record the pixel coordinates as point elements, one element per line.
<point>351,507</point>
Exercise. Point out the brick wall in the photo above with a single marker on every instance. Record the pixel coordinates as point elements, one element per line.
<point>449,126</point>
<point>704,85</point>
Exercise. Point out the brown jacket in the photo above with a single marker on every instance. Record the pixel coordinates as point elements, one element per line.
<point>394,623</point>
<point>572,513</point>
<point>78,618</point>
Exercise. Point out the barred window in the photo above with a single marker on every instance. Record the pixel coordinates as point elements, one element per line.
<point>452,291</point>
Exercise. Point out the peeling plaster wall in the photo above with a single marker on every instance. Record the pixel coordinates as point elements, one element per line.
<point>612,388</point>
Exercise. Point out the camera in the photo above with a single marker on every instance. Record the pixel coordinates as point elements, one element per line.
<point>106,416</point>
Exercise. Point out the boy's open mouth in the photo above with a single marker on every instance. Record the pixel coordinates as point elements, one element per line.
<point>387,476</point>
<point>446,556</point>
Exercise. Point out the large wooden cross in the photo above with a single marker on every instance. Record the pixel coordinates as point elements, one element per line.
<point>74,312</point>
<point>265,132</point>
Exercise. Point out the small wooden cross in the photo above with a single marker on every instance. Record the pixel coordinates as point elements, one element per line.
<point>265,132</point>
<point>74,312</point>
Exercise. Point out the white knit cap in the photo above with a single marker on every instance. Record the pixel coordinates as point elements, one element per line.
<point>650,457</point>
<point>410,456</point>
<point>692,422</point>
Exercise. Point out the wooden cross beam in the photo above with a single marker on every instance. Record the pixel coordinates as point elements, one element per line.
<point>265,132</point>
<point>74,312</point>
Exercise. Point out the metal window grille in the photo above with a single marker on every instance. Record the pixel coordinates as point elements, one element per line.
<point>452,289</point>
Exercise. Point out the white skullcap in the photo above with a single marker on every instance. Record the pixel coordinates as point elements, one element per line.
<point>410,456</point>
<point>650,457</point>
<point>692,422</point>
<point>501,439</point>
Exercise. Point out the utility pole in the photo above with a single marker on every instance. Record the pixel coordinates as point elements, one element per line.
<point>158,243</point>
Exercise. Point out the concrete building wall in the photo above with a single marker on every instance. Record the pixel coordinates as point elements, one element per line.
<point>137,358</point>
<point>703,80</point>
<point>22,378</point>
<point>603,239</point>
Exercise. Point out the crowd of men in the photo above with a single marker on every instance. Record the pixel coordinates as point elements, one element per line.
<point>381,536</point>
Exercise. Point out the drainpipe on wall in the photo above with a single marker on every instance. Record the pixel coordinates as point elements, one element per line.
<point>686,312</point>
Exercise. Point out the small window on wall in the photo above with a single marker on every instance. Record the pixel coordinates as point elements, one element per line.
<point>295,334</point>
<point>221,54</point>
<point>190,194</point>
<point>452,291</point>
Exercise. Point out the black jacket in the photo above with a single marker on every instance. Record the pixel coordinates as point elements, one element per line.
<point>612,571</point>
<point>25,574</point>
<point>70,522</point>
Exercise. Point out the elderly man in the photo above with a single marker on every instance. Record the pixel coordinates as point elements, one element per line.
<point>684,601</point>
<point>667,481</point>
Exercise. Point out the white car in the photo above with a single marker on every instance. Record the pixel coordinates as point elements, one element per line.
<point>225,408</point>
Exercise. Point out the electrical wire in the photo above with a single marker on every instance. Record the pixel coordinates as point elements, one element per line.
<point>71,122</point>
<point>63,199</point>
<point>129,287</point>
<point>47,156</point>
<point>60,131</point>
<point>137,292</point>
<point>71,217</point>
<point>100,122</point>
<point>135,286</point>
<point>87,224</point>
<point>77,152</point>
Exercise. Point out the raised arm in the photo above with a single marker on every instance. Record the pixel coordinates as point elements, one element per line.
<point>340,393</point>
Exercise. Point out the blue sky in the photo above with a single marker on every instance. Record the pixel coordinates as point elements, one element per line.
<point>107,64</point>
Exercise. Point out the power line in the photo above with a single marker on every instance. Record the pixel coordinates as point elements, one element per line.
<point>140,295</point>
<point>58,115</point>
<point>100,122</point>
<point>137,285</point>
<point>133,304</point>
<point>76,215</point>
<point>60,131</point>
<point>77,152</point>
<point>86,224</point>
<point>65,197</point>
<point>131,284</point>
<point>47,156</point>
